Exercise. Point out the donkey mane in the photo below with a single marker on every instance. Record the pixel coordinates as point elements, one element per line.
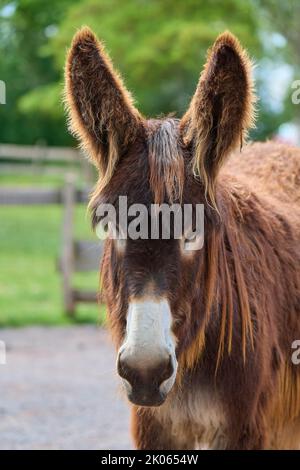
<point>166,161</point>
<point>167,180</point>
<point>224,279</point>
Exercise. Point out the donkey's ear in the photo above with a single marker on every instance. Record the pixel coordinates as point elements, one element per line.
<point>221,110</point>
<point>101,110</point>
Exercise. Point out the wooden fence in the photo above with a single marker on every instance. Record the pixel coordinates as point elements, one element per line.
<point>43,159</point>
<point>75,255</point>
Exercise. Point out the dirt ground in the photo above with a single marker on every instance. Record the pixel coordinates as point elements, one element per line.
<point>59,390</point>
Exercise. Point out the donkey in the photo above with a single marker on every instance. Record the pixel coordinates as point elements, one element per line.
<point>204,337</point>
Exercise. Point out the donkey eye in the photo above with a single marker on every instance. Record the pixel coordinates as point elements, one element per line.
<point>101,230</point>
<point>192,242</point>
<point>107,229</point>
<point>186,241</point>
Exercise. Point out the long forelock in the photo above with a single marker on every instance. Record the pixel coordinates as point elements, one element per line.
<point>166,160</point>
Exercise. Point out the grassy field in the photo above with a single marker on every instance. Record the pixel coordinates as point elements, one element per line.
<point>30,285</point>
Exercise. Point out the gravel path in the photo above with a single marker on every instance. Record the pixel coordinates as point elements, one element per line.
<point>59,390</point>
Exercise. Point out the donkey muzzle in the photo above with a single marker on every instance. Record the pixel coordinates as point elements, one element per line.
<point>147,386</point>
<point>146,360</point>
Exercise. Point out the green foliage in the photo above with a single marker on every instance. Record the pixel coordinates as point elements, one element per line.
<point>158,45</point>
<point>25,67</point>
<point>283,18</point>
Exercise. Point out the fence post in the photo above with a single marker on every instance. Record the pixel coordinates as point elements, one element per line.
<point>67,258</point>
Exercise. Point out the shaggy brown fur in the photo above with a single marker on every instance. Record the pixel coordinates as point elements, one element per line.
<point>101,109</point>
<point>166,161</point>
<point>235,303</point>
<point>221,110</point>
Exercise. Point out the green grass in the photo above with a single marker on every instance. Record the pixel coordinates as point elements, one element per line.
<point>30,285</point>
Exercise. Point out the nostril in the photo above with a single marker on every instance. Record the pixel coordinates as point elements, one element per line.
<point>168,369</point>
<point>139,374</point>
<point>119,364</point>
<point>121,367</point>
<point>124,370</point>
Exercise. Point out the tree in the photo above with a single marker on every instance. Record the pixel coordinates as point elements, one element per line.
<point>159,46</point>
<point>283,18</point>
<point>25,28</point>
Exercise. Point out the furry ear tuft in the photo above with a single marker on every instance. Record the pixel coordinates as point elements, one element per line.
<point>221,111</point>
<point>101,111</point>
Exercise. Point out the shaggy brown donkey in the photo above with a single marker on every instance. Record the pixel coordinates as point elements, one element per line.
<point>205,337</point>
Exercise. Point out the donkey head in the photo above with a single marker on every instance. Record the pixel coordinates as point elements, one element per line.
<point>156,289</point>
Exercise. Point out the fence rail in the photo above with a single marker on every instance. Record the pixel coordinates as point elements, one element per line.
<point>39,153</point>
<point>42,159</point>
<point>75,255</point>
<point>38,196</point>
